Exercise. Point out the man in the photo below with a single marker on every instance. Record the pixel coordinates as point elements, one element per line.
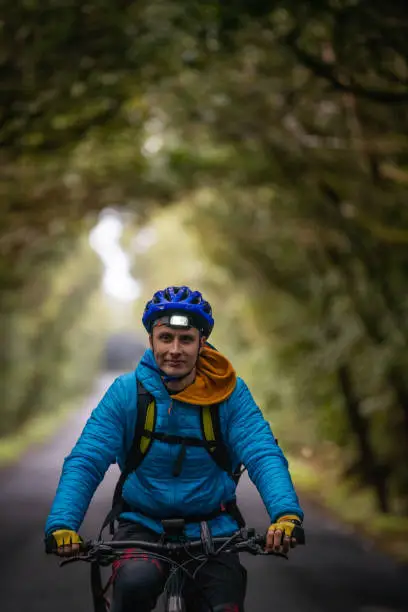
<point>184,375</point>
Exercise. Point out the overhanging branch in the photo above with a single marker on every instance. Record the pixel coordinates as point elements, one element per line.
<point>328,72</point>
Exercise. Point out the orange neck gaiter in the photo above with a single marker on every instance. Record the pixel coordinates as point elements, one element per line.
<point>214,382</point>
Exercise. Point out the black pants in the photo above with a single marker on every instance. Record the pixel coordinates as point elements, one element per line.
<point>137,583</point>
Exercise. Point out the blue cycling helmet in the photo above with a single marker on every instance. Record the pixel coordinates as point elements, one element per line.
<point>179,300</point>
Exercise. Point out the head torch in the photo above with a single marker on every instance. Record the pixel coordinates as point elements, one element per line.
<point>176,321</point>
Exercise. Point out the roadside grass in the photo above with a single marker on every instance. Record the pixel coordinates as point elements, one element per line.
<point>353,506</point>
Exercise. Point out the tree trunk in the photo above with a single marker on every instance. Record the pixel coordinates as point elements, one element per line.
<point>398,383</point>
<point>374,474</point>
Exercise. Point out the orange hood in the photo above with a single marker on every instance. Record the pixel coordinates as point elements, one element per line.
<point>214,382</point>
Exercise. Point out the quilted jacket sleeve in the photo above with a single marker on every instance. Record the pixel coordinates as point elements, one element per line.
<point>98,446</point>
<point>250,439</point>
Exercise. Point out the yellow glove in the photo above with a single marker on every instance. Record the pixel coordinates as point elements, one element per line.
<point>63,541</point>
<point>289,526</point>
<point>65,537</point>
<point>286,524</point>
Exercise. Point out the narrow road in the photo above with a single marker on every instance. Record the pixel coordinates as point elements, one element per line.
<point>335,572</point>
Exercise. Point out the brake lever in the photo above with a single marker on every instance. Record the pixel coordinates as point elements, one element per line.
<point>73,559</point>
<point>254,549</point>
<point>259,550</point>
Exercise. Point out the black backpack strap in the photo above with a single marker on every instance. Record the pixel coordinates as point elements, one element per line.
<point>219,451</point>
<point>230,507</point>
<point>135,455</point>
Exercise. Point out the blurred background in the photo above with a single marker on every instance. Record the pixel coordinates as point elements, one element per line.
<point>257,151</point>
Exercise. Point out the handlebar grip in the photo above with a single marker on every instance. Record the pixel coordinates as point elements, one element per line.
<point>50,545</point>
<point>299,534</point>
<point>85,546</point>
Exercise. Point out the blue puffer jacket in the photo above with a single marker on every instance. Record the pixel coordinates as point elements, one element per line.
<point>202,485</point>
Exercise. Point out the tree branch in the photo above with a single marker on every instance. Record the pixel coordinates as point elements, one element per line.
<point>327,72</point>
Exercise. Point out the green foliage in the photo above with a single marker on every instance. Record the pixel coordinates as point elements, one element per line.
<point>280,132</point>
<point>52,339</point>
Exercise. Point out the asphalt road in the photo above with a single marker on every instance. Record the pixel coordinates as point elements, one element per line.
<point>335,572</point>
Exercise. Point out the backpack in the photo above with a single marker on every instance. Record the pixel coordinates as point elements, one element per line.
<point>142,441</point>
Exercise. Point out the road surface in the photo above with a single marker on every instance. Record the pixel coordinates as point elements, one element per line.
<point>335,572</point>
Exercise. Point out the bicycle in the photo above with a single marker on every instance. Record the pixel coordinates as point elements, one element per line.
<point>171,549</point>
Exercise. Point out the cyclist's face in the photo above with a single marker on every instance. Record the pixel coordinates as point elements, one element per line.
<point>175,350</point>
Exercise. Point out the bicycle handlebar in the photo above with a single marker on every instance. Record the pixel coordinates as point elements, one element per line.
<point>161,547</point>
<point>250,542</point>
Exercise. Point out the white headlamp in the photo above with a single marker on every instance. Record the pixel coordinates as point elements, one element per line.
<point>177,320</point>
